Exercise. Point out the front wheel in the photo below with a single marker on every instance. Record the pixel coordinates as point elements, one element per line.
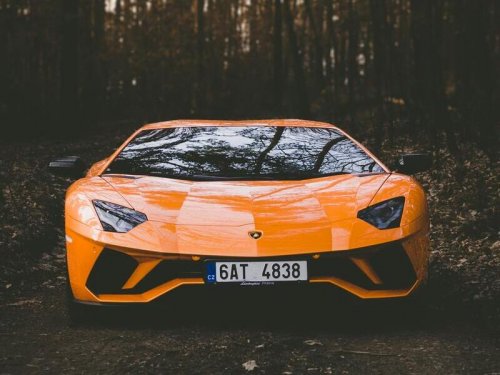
<point>79,313</point>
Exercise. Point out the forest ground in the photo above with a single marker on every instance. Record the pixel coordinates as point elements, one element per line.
<point>455,328</point>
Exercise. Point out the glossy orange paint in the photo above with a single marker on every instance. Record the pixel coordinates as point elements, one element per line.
<point>200,219</point>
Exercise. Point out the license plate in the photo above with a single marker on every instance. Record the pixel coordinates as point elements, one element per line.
<point>256,272</point>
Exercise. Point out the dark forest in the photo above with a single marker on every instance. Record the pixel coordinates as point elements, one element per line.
<point>379,68</point>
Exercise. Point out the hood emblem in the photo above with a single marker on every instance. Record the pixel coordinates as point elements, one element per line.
<point>255,234</point>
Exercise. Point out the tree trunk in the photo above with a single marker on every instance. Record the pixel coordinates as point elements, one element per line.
<point>340,66</point>
<point>476,74</point>
<point>352,64</point>
<point>297,63</point>
<point>200,36</point>
<point>98,68</point>
<point>69,64</point>
<point>430,107</point>
<point>278,56</point>
<point>318,48</point>
<point>380,40</point>
<point>331,45</point>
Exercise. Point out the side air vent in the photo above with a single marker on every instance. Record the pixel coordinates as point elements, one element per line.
<point>111,270</point>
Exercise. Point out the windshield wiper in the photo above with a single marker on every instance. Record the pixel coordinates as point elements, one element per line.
<point>303,176</point>
<point>228,178</point>
<point>331,174</point>
<point>265,177</point>
<point>122,175</point>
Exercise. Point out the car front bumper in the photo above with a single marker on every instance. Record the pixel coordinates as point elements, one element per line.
<point>103,273</point>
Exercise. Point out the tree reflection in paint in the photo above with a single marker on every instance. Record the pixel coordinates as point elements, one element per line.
<point>244,152</point>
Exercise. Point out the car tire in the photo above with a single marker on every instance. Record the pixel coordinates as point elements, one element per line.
<point>79,313</point>
<point>404,311</point>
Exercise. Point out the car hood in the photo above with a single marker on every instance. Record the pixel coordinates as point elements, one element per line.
<point>215,218</point>
<point>298,204</point>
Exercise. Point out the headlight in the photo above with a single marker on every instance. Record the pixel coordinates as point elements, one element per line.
<point>384,215</point>
<point>116,218</point>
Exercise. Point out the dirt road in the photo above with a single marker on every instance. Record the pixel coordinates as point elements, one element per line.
<point>280,332</point>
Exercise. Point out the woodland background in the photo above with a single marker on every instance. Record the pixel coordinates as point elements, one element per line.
<point>379,68</point>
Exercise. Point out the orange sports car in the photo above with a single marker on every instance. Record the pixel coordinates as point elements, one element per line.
<point>246,203</point>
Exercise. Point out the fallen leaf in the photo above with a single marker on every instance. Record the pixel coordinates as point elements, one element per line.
<point>250,365</point>
<point>313,342</point>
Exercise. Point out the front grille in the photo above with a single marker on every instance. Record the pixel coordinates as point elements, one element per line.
<point>389,261</point>
<point>338,266</point>
<point>168,270</point>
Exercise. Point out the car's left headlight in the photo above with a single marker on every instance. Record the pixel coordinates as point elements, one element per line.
<point>384,215</point>
<point>117,218</point>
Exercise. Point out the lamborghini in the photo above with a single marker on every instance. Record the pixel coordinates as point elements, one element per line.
<point>243,203</point>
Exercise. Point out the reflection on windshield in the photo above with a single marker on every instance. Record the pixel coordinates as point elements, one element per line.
<point>244,152</point>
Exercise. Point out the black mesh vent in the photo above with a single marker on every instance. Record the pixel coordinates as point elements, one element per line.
<point>389,261</point>
<point>341,267</point>
<point>394,267</point>
<point>168,270</point>
<point>111,270</point>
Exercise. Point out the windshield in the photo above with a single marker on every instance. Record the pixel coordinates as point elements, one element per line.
<point>244,152</point>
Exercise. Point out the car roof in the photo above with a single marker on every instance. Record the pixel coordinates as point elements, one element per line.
<point>271,122</point>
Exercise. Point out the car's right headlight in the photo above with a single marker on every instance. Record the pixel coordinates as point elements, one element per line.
<point>384,215</point>
<point>117,218</point>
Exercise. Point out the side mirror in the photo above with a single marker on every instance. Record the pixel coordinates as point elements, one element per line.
<point>69,166</point>
<point>413,163</point>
